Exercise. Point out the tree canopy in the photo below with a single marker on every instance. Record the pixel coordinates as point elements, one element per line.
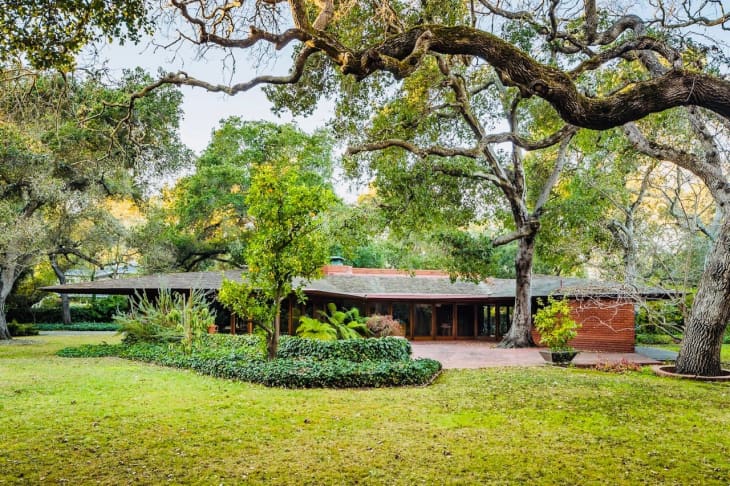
<point>202,219</point>
<point>69,143</point>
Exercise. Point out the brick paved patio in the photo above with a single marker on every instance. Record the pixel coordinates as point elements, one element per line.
<point>465,354</point>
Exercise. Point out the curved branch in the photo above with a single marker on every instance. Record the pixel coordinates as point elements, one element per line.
<point>642,44</point>
<point>435,150</point>
<point>675,88</point>
<point>709,174</point>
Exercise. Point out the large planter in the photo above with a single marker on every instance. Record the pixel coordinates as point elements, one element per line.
<point>560,358</point>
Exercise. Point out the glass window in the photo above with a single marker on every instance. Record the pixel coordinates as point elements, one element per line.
<point>444,319</point>
<point>486,321</point>
<point>505,319</point>
<point>422,324</point>
<point>465,320</point>
<point>380,308</point>
<point>402,314</point>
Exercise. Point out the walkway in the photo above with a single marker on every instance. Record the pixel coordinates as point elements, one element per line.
<point>482,355</point>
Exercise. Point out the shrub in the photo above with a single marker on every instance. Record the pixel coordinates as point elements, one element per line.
<point>78,326</point>
<point>310,328</point>
<point>243,347</point>
<point>243,358</point>
<point>555,326</point>
<point>18,330</point>
<point>383,326</point>
<point>623,366</point>
<point>92,351</point>
<point>336,373</point>
<point>654,339</point>
<point>356,350</point>
<point>168,318</point>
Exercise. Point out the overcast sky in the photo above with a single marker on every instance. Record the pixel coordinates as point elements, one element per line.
<point>204,110</point>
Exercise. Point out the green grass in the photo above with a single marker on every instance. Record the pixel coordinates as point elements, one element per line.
<point>114,421</point>
<point>724,352</point>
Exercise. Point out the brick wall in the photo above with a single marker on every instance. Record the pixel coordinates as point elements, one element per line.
<point>607,325</point>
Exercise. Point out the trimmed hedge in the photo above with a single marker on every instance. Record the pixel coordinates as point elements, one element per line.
<point>242,358</point>
<point>78,326</point>
<point>355,350</point>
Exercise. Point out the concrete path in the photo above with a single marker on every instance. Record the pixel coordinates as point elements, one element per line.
<point>455,355</point>
<point>657,353</point>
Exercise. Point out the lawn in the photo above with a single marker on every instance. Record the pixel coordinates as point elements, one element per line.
<point>112,421</point>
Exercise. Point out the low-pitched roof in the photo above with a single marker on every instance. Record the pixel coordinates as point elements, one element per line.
<point>346,282</point>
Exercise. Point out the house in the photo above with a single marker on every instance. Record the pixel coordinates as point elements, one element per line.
<point>427,302</point>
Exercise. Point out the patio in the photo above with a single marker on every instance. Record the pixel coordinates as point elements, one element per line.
<point>470,354</point>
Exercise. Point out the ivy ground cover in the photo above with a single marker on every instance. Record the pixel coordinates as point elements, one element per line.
<point>115,421</point>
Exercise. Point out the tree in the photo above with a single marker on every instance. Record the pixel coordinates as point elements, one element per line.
<point>49,33</point>
<point>286,246</point>
<point>202,219</point>
<point>66,145</point>
<point>567,49</point>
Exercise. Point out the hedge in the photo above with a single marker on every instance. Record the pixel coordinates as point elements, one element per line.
<point>78,326</point>
<point>18,330</point>
<point>355,350</point>
<point>241,358</point>
<point>654,339</point>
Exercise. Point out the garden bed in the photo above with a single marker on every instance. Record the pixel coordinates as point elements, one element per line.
<point>301,363</point>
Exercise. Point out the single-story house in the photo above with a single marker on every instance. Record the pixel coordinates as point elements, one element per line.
<point>426,302</point>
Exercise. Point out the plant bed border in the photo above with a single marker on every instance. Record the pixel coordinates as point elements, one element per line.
<point>548,355</point>
<point>667,371</point>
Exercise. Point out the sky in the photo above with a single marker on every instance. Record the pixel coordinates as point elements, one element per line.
<point>204,110</point>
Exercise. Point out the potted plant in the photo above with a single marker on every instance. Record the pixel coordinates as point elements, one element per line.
<point>556,329</point>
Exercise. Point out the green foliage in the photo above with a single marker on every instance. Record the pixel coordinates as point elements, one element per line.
<point>49,33</point>
<point>167,318</point>
<point>65,150</point>
<point>301,364</point>
<point>99,310</point>
<point>554,324</point>
<point>654,339</point>
<point>336,324</point>
<point>204,218</point>
<point>287,242</point>
<point>92,351</point>
<point>347,324</point>
<point>356,350</point>
<point>77,326</point>
<point>663,316</point>
<point>311,328</point>
<point>22,329</point>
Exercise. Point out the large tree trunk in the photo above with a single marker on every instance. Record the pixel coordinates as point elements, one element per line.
<point>4,331</point>
<point>700,351</point>
<point>6,285</point>
<point>520,335</point>
<point>65,305</point>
